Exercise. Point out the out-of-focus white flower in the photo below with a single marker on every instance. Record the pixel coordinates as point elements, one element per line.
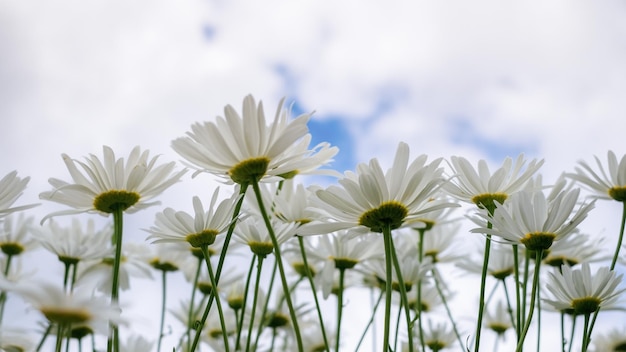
<point>609,184</point>
<point>534,221</point>
<point>105,186</point>
<point>613,340</point>
<point>482,188</point>
<point>199,229</point>
<point>497,319</point>
<point>582,292</point>
<point>15,234</point>
<point>11,188</point>
<point>253,233</point>
<point>14,340</point>
<point>136,343</point>
<point>75,243</point>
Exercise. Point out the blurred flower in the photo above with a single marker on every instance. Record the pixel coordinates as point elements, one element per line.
<point>14,340</point>
<point>244,149</point>
<point>497,319</point>
<point>253,232</point>
<point>75,243</point>
<point>611,185</point>
<point>78,307</point>
<point>105,187</point>
<point>15,234</point>
<point>437,337</point>
<point>136,343</point>
<point>134,263</point>
<point>11,188</point>
<point>482,188</point>
<point>500,266</point>
<point>198,230</point>
<point>582,292</point>
<point>534,221</point>
<point>613,340</point>
<point>371,200</point>
<point>574,249</point>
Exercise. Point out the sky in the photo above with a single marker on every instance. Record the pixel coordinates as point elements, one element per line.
<point>481,79</point>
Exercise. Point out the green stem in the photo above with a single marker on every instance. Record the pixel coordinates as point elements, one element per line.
<point>312,284</point>
<point>113,343</point>
<point>254,300</point>
<point>508,304</point>
<point>563,343</point>
<point>448,311</point>
<point>403,297</point>
<point>267,302</point>
<point>420,256</point>
<point>593,322</point>
<point>518,301</point>
<point>585,343</point>
<point>483,282</point>
<point>190,314</point>
<point>44,337</point>
<point>571,337</point>
<point>534,290</point>
<point>621,237</point>
<point>3,294</point>
<point>281,269</point>
<point>163,298</point>
<point>245,304</point>
<point>342,272</point>
<point>59,343</point>
<point>388,288</point>
<point>369,323</point>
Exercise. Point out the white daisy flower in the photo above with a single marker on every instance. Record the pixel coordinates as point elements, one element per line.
<point>77,308</point>
<point>498,319</point>
<point>613,340</point>
<point>11,188</point>
<point>137,343</point>
<point>609,184</point>
<point>15,340</point>
<point>198,230</point>
<point>253,232</point>
<point>581,291</point>
<point>113,184</point>
<point>437,337</point>
<point>371,199</point>
<point>534,221</point>
<point>244,149</point>
<point>74,243</point>
<point>482,188</point>
<point>500,265</point>
<point>15,234</point>
<point>575,249</point>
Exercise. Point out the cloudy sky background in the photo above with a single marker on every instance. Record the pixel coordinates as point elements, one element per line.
<point>480,79</point>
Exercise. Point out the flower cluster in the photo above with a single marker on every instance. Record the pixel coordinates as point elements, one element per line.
<point>271,264</point>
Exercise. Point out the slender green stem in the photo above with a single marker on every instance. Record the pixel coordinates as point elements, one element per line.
<point>44,337</point>
<point>388,287</point>
<point>281,269</point>
<point>163,300</point>
<point>113,343</point>
<point>571,337</point>
<point>60,334</point>
<point>448,311</point>
<point>420,256</point>
<point>563,342</point>
<point>524,293</point>
<point>245,303</point>
<point>518,298</point>
<point>267,302</point>
<point>593,323</point>
<point>190,313</point>
<point>254,300</point>
<point>396,335</point>
<point>531,309</point>
<point>620,238</point>
<point>342,272</point>
<point>312,284</point>
<point>3,294</point>
<point>483,282</point>
<point>369,323</point>
<point>508,303</point>
<point>215,293</point>
<point>66,274</point>
<point>403,297</point>
<point>585,342</point>
<point>538,319</point>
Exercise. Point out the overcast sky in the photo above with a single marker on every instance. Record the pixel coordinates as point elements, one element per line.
<point>479,79</point>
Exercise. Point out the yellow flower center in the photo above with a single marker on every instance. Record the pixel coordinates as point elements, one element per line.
<point>277,320</point>
<point>390,214</point>
<point>163,266</point>
<point>620,347</point>
<point>113,200</point>
<point>81,331</point>
<point>68,260</point>
<point>235,302</point>
<point>262,249</point>
<point>488,200</point>
<point>538,240</point>
<point>249,171</point>
<point>205,287</point>
<point>502,274</point>
<point>618,193</point>
<point>300,268</point>
<point>586,305</point>
<point>557,261</point>
<point>11,248</point>
<point>344,263</point>
<point>204,238</point>
<point>66,316</point>
<point>498,328</point>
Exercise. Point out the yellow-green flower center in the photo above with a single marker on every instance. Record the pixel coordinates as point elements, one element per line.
<point>205,287</point>
<point>113,200</point>
<point>488,200</point>
<point>538,240</point>
<point>11,248</point>
<point>432,254</point>
<point>300,268</point>
<point>200,239</point>
<point>557,261</point>
<point>66,316</point>
<point>389,214</point>
<point>436,345</point>
<point>289,175</point>
<point>249,171</point>
<point>499,328</point>
<point>502,274</point>
<point>620,347</point>
<point>262,249</point>
<point>345,263</point>
<point>68,260</point>
<point>586,305</point>
<point>618,193</point>
<point>163,266</point>
<point>277,320</point>
<point>235,302</point>
<point>81,331</point>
